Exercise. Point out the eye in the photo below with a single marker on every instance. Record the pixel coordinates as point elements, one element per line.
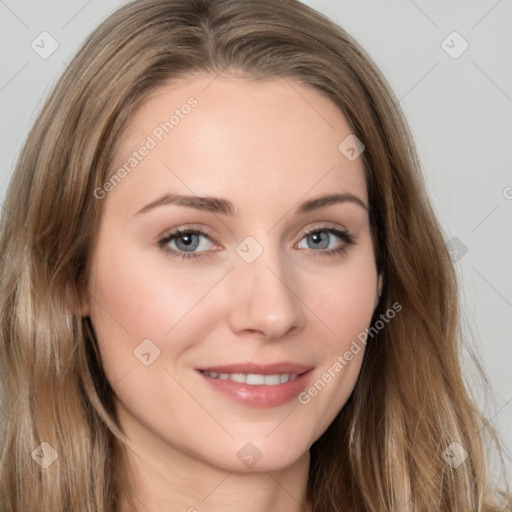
<point>194,243</point>
<point>183,243</point>
<point>324,238</point>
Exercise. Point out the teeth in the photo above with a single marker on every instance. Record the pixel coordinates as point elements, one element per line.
<point>272,380</point>
<point>237,377</point>
<point>254,379</point>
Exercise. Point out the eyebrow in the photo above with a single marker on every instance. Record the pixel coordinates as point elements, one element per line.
<point>226,207</point>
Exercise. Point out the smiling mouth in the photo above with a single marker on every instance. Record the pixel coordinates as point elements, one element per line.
<point>257,385</point>
<point>254,379</point>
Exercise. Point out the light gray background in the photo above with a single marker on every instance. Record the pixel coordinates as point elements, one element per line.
<point>459,110</point>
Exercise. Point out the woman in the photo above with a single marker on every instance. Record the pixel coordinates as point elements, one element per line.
<point>305,357</point>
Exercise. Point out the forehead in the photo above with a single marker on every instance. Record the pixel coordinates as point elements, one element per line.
<point>233,137</point>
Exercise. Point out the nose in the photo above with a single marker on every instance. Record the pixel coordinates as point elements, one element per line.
<point>264,298</point>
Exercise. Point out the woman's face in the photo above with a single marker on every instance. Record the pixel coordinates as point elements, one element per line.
<point>244,283</point>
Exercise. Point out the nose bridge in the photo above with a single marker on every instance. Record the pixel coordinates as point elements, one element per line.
<point>265,296</point>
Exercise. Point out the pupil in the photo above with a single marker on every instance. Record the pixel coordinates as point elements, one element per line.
<point>186,241</point>
<point>317,238</point>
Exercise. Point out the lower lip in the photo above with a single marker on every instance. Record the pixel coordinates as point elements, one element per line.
<point>259,396</point>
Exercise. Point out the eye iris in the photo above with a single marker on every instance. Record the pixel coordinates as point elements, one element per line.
<point>317,237</point>
<point>188,239</point>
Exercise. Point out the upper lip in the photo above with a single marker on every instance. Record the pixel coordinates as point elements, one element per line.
<point>259,368</point>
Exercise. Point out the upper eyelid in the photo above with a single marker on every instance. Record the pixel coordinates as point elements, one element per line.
<point>189,229</point>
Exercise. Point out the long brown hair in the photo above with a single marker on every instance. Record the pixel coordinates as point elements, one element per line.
<point>384,449</point>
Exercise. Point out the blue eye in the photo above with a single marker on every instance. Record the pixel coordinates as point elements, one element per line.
<point>187,243</point>
<point>320,238</point>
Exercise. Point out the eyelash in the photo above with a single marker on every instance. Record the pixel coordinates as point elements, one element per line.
<point>345,235</point>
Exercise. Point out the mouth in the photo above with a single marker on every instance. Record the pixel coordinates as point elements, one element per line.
<point>254,379</point>
<point>258,385</point>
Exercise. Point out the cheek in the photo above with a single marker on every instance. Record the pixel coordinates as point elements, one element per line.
<point>344,299</point>
<point>134,298</point>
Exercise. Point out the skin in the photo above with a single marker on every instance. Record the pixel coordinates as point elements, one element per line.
<point>266,147</point>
